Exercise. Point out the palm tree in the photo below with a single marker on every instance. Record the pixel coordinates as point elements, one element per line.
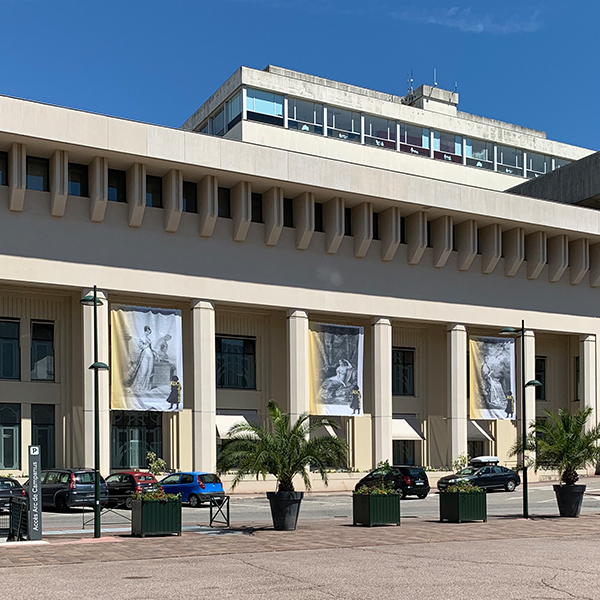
<point>561,442</point>
<point>282,449</point>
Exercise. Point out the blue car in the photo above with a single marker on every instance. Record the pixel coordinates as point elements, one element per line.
<point>195,487</point>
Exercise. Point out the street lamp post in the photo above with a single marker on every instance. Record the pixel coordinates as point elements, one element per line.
<point>532,383</point>
<point>93,300</point>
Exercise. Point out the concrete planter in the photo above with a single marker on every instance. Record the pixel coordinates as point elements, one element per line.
<point>156,517</point>
<point>375,509</point>
<point>458,507</point>
<point>569,499</point>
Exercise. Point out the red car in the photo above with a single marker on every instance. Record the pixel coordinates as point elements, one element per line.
<point>124,483</point>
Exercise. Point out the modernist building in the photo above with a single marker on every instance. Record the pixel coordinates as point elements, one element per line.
<point>286,200</point>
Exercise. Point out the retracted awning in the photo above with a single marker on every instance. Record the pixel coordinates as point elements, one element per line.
<point>478,433</point>
<point>406,428</point>
<point>226,422</point>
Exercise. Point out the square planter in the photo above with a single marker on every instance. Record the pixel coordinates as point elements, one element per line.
<point>460,506</point>
<point>374,509</point>
<point>156,517</point>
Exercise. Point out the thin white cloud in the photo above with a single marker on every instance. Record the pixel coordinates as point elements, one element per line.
<point>469,21</point>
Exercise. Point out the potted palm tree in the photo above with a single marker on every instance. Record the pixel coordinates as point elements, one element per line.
<point>282,449</point>
<point>563,442</point>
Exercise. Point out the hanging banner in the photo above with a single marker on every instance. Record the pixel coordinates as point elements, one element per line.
<point>147,359</point>
<point>336,369</point>
<point>492,378</point>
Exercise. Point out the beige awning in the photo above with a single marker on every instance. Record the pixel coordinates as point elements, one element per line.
<point>226,422</point>
<point>478,433</point>
<point>406,428</point>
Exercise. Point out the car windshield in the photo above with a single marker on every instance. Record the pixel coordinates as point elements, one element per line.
<point>84,477</point>
<point>468,471</point>
<point>146,478</point>
<point>416,472</point>
<point>210,479</point>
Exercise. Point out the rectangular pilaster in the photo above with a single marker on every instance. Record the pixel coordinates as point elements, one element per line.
<point>536,253</point>
<point>457,392</point>
<point>103,383</point>
<point>491,247</point>
<point>558,257</point>
<point>59,182</point>
<point>381,336</point>
<point>208,204</point>
<point>136,193</point>
<point>204,427</point>
<point>513,247</point>
<point>362,228</point>
<point>273,215</point>
<point>441,240</point>
<point>304,219</point>
<point>17,176</point>
<point>466,243</point>
<point>389,232</point>
<point>241,210</point>
<point>333,217</point>
<point>588,374</point>
<point>297,363</point>
<point>579,260</point>
<point>416,236</point>
<point>98,171</point>
<point>173,199</point>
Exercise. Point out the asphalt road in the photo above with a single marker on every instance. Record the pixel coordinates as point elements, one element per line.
<point>249,511</point>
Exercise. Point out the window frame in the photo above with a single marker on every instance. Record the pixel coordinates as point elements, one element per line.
<point>540,390</point>
<point>152,181</point>
<point>399,386</point>
<point>249,382</point>
<point>52,341</point>
<point>82,171</point>
<point>16,353</point>
<point>119,180</point>
<point>190,197</point>
<point>44,164</point>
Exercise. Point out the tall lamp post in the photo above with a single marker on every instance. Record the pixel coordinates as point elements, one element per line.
<point>93,300</point>
<point>531,383</point>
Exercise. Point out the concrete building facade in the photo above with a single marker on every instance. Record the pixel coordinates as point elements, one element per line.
<point>257,225</point>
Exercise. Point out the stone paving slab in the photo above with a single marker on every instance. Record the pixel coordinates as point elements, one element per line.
<point>310,535</point>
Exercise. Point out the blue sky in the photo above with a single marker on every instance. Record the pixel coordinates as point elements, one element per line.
<point>531,63</point>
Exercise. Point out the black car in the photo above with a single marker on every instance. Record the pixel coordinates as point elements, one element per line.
<point>10,488</point>
<point>125,483</point>
<point>488,477</point>
<point>65,488</point>
<point>406,480</point>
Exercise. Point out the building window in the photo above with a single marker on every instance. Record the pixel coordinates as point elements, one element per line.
<point>10,355</point>
<point>257,208</point>
<point>510,160</point>
<point>480,154</point>
<point>540,375</point>
<point>218,123</point>
<point>236,363</point>
<point>538,164</point>
<point>343,124</point>
<point>10,436</point>
<point>42,351</point>
<point>78,180</point>
<point>319,217</point>
<point>224,202</point>
<point>190,200</point>
<point>42,432</point>
<point>288,212</point>
<point>234,110</point>
<point>561,162</point>
<point>264,107</point>
<point>402,230</point>
<point>447,146</point>
<point>403,371</point>
<point>154,191</point>
<point>403,452</point>
<point>133,435</point>
<point>3,168</point>
<point>204,128</point>
<point>376,226</point>
<point>305,116</point>
<point>577,379</point>
<point>476,448</point>
<point>347,221</point>
<point>117,185</point>
<point>380,132</point>
<point>414,140</point>
<point>37,174</point>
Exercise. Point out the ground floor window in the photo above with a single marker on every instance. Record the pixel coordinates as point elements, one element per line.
<point>42,432</point>
<point>476,448</point>
<point>236,364</point>
<point>134,434</point>
<point>403,452</point>
<point>10,436</point>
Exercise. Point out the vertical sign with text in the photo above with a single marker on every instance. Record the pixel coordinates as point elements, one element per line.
<point>35,493</point>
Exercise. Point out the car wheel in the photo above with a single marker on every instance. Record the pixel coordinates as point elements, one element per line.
<point>421,496</point>
<point>401,493</point>
<point>61,504</point>
<point>510,485</point>
<point>129,503</point>
<point>194,501</point>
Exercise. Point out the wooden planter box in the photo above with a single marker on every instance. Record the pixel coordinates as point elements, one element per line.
<point>156,517</point>
<point>373,509</point>
<point>460,506</point>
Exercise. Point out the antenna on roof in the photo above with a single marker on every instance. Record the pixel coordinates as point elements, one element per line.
<point>434,82</point>
<point>409,83</point>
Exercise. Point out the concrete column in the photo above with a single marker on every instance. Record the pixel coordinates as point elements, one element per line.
<point>381,352</point>
<point>204,447</point>
<point>491,247</point>
<point>172,188</point>
<point>88,383</point>
<point>588,374</point>
<point>273,215</point>
<point>59,182</point>
<point>457,391</point>
<point>529,375</point>
<point>297,363</point>
<point>98,171</point>
<point>304,219</point>
<point>17,176</point>
<point>241,210</point>
<point>208,203</point>
<point>390,232</point>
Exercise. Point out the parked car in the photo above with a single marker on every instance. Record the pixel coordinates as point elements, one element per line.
<point>66,488</point>
<point>484,472</point>
<point>195,487</point>
<point>10,488</point>
<point>407,480</point>
<point>121,485</point>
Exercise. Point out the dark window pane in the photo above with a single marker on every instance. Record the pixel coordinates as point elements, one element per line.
<point>402,230</point>
<point>347,221</point>
<point>117,185</point>
<point>403,372</point>
<point>133,435</point>
<point>319,217</point>
<point>224,203</point>
<point>42,351</point>
<point>190,201</point>
<point>78,180</point>
<point>3,168</point>
<point>154,191</point>
<point>376,226</point>
<point>236,365</point>
<point>257,212</point>
<point>42,429</point>
<point>10,359</point>
<point>37,174</point>
<point>577,379</point>
<point>10,436</point>
<point>540,375</point>
<point>403,452</point>
<point>288,212</point>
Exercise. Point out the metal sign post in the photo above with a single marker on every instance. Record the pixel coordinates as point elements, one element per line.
<point>35,493</point>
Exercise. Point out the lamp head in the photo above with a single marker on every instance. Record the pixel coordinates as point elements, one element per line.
<point>99,366</point>
<point>533,383</point>
<point>508,331</point>
<point>89,300</point>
